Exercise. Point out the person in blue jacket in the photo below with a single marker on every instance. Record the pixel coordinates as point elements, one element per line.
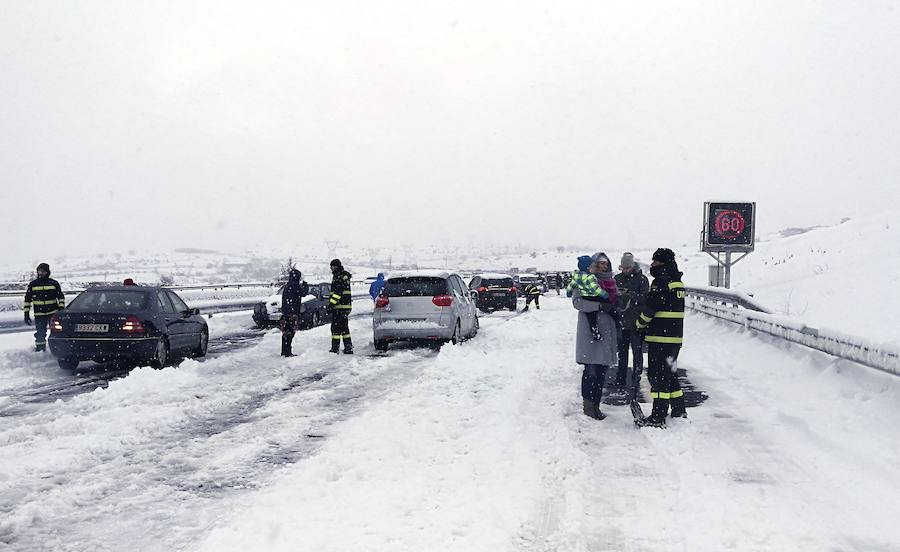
<point>376,286</point>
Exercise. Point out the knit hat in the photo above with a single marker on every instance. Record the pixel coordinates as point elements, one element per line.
<point>43,266</point>
<point>627,261</point>
<point>336,263</point>
<point>584,263</point>
<point>294,274</point>
<point>128,282</point>
<point>664,256</point>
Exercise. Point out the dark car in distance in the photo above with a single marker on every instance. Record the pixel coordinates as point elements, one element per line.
<point>149,325</point>
<point>313,308</point>
<point>493,292</point>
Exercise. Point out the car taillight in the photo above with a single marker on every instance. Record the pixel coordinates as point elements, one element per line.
<point>513,289</point>
<point>55,325</point>
<point>442,300</point>
<point>381,302</point>
<point>132,324</point>
<point>482,289</point>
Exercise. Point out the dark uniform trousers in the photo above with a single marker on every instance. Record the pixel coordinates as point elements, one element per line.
<point>661,371</point>
<point>340,329</point>
<point>41,322</point>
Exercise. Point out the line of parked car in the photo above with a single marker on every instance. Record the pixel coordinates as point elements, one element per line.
<point>153,325</point>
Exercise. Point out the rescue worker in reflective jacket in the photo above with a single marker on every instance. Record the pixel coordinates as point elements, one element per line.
<point>340,303</point>
<point>532,293</point>
<point>662,321</point>
<point>47,298</point>
<point>291,300</point>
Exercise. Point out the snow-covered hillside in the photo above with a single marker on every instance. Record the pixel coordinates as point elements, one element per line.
<point>845,277</point>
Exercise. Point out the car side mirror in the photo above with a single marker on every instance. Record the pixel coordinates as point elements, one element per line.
<point>191,312</point>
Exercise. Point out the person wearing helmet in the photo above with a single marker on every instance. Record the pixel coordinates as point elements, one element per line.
<point>47,298</point>
<point>340,303</point>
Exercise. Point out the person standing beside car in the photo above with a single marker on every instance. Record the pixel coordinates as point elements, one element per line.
<point>532,293</point>
<point>340,304</point>
<point>633,287</point>
<point>376,286</point>
<point>291,300</point>
<point>47,298</point>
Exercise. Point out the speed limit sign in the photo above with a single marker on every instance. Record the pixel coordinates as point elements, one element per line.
<point>728,226</point>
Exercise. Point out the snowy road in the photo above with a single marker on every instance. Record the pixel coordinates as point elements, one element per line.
<point>480,447</point>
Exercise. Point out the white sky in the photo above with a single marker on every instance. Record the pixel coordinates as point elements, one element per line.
<point>129,125</point>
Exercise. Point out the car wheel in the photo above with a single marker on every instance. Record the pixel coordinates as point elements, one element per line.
<point>381,345</point>
<point>203,345</point>
<point>475,326</point>
<point>67,363</point>
<point>455,337</point>
<point>161,356</point>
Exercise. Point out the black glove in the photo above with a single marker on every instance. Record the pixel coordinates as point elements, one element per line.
<point>28,318</point>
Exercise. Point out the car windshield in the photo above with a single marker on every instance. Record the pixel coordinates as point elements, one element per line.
<point>497,282</point>
<point>110,301</point>
<point>415,286</point>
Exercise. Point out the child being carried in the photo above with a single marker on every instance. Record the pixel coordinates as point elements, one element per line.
<point>597,288</point>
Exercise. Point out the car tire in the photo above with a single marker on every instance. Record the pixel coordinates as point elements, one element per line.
<point>476,325</point>
<point>202,345</point>
<point>455,338</point>
<point>161,356</point>
<point>67,363</point>
<point>381,345</point>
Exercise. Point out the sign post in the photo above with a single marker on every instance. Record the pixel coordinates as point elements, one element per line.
<point>728,227</point>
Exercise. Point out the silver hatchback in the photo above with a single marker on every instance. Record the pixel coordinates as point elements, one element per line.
<point>424,306</point>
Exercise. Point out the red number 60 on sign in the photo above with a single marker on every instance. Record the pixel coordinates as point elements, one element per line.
<point>729,224</point>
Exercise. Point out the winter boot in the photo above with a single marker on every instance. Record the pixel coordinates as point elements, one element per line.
<point>658,417</point>
<point>678,408</point>
<point>40,348</point>
<point>348,346</point>
<point>592,410</point>
<point>335,345</point>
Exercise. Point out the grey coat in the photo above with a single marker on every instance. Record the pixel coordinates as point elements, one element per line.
<point>587,349</point>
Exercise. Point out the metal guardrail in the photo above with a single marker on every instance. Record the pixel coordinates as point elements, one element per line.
<point>206,307</point>
<point>740,308</point>
<point>17,293</point>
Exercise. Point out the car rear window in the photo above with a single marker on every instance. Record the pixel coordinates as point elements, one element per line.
<point>489,282</point>
<point>417,286</point>
<point>110,301</point>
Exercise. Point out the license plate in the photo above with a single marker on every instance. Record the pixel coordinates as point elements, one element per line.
<point>499,294</point>
<point>93,328</point>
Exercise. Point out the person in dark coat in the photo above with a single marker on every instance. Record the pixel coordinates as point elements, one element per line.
<point>662,321</point>
<point>340,304</point>
<point>633,287</point>
<point>291,302</point>
<point>376,286</point>
<point>47,297</point>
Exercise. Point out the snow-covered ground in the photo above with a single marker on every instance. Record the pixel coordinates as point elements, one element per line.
<point>479,447</point>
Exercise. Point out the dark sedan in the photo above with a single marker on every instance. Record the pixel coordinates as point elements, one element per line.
<point>493,292</point>
<point>140,324</point>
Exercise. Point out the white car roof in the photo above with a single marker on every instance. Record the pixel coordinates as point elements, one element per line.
<point>420,274</point>
<point>528,276</point>
<point>493,275</point>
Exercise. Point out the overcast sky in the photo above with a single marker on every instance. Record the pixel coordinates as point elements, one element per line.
<point>129,125</point>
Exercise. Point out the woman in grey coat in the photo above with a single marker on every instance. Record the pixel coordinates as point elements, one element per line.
<point>595,355</point>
